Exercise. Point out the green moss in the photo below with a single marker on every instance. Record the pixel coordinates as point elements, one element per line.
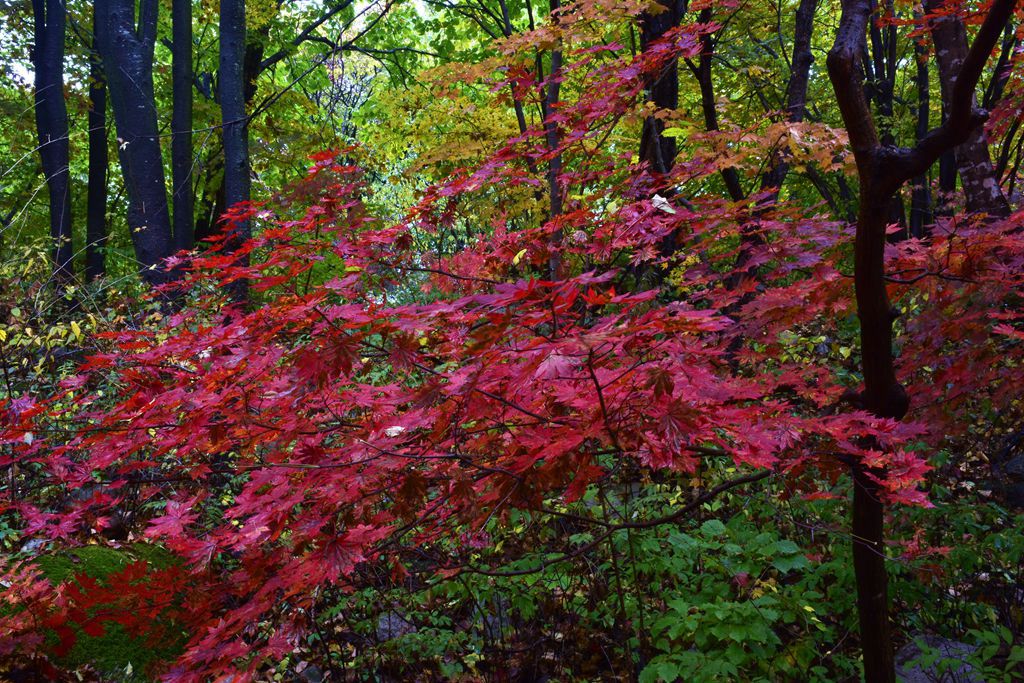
<point>100,561</point>
<point>112,652</point>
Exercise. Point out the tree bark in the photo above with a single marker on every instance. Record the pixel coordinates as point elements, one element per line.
<point>99,163</point>
<point>235,128</point>
<point>51,113</point>
<point>881,88</point>
<point>181,124</point>
<point>211,204</point>
<point>709,107</point>
<point>882,170</point>
<point>657,150</point>
<point>778,167</point>
<point>127,52</point>
<point>982,193</point>
<point>920,201</point>
<point>796,90</point>
<point>551,97</point>
<point>508,31</point>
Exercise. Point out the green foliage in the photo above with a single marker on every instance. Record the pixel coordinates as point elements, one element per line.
<point>115,653</point>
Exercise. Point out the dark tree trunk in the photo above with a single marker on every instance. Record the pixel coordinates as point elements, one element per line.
<point>920,202</point>
<point>99,162</point>
<point>1007,148</point>
<point>211,204</point>
<point>657,150</point>
<point>977,176</point>
<point>508,30</point>
<point>845,70</point>
<point>796,90</point>
<point>49,25</point>
<point>881,88</point>
<point>551,97</point>
<point>778,167</point>
<point>882,170</point>
<point>181,124</point>
<point>127,52</point>
<point>947,181</point>
<point>1001,71</point>
<point>235,129</point>
<point>709,106</point>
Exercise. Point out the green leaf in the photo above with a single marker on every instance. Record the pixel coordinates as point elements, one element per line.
<point>712,527</point>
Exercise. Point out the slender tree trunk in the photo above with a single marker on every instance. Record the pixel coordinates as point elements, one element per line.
<point>51,112</point>
<point>552,137</point>
<point>127,51</point>
<point>1007,148</point>
<point>982,193</point>
<point>663,91</point>
<point>944,203</point>
<point>508,30</point>
<point>796,90</point>
<point>920,202</point>
<point>657,150</point>
<point>213,204</point>
<point>709,106</point>
<point>181,124</point>
<point>882,170</point>
<point>1001,71</point>
<point>99,163</point>
<point>845,69</point>
<point>882,91</point>
<point>778,168</point>
<point>235,128</point>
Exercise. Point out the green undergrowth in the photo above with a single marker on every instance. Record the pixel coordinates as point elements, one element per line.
<point>116,655</point>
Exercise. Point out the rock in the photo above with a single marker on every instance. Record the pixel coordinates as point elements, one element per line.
<point>493,617</point>
<point>1008,468</point>
<point>1014,468</point>
<point>934,659</point>
<point>313,674</point>
<point>33,546</point>
<point>392,625</point>
<point>1014,495</point>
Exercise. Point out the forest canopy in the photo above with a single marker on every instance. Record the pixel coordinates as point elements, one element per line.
<point>504,340</point>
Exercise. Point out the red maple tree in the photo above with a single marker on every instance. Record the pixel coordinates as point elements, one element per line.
<point>378,402</point>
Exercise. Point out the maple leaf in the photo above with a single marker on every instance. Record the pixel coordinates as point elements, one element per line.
<point>176,518</point>
<point>555,366</point>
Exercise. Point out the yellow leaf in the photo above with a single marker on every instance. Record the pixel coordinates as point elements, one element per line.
<point>518,257</point>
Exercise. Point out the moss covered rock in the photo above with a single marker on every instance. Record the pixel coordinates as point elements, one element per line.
<point>115,653</point>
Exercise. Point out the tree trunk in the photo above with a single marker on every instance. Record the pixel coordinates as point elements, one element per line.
<point>947,182</point>
<point>881,88</point>
<point>235,129</point>
<point>778,168</point>
<point>920,202</point>
<point>796,90</point>
<point>181,124</point>
<point>709,106</point>
<point>882,170</point>
<point>99,162</point>
<point>657,150</point>
<point>550,100</point>
<point>52,128</point>
<point>982,193</point>
<point>127,52</point>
